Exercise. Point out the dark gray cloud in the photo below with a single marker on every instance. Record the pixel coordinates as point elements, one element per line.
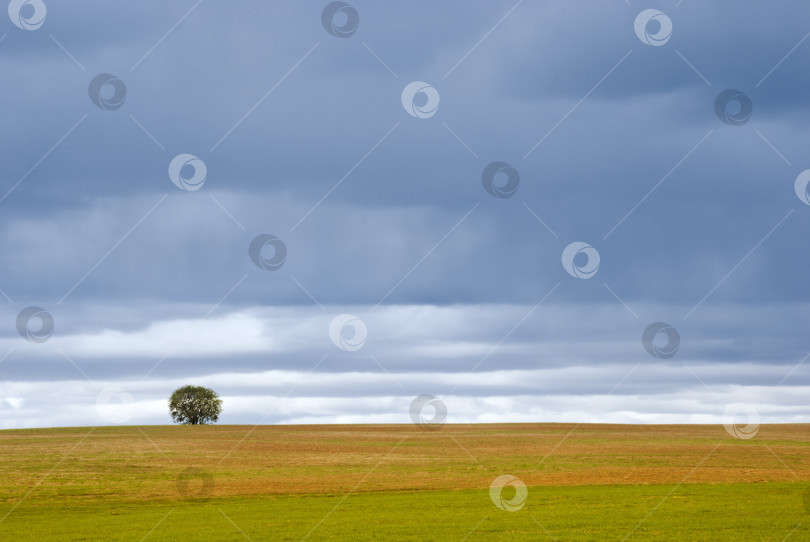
<point>303,134</point>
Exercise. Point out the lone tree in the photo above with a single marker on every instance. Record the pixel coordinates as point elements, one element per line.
<point>195,405</point>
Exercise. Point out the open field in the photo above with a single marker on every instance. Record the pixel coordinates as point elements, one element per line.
<point>397,482</point>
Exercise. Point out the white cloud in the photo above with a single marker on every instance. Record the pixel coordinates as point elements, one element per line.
<point>277,364</point>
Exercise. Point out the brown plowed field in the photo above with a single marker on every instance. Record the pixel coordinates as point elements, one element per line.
<point>133,463</point>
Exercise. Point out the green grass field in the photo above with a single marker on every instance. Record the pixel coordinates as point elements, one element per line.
<point>587,482</point>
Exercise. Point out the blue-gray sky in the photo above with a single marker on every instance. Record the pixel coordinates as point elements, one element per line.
<point>615,138</point>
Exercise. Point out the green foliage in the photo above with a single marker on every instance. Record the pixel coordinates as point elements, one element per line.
<point>195,405</point>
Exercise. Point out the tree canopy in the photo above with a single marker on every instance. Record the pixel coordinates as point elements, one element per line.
<point>195,405</point>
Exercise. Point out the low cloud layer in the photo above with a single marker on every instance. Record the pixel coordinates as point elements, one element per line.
<point>487,363</point>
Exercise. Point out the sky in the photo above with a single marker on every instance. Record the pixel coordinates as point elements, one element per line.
<point>546,211</point>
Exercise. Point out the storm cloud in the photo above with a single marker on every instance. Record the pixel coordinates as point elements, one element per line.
<point>612,139</point>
